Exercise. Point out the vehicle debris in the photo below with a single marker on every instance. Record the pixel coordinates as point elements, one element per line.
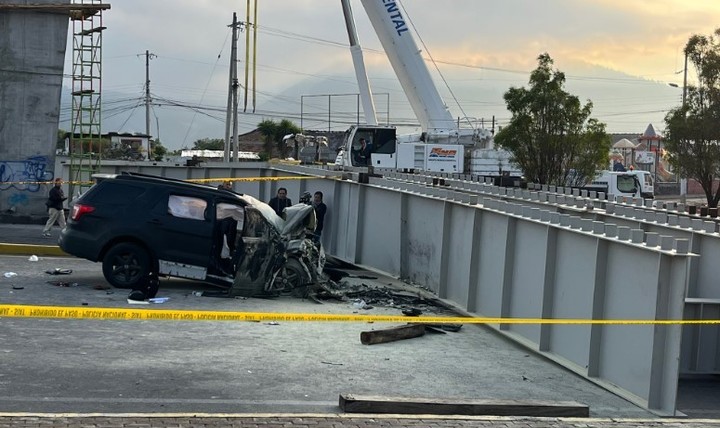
<point>376,296</point>
<point>63,284</point>
<point>59,271</point>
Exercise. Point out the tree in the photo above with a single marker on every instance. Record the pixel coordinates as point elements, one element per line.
<point>273,134</point>
<point>692,131</point>
<point>551,136</point>
<point>158,150</point>
<point>209,144</point>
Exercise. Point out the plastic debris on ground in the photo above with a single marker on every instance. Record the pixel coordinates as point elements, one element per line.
<point>33,258</point>
<point>158,299</point>
<point>9,274</point>
<point>59,271</point>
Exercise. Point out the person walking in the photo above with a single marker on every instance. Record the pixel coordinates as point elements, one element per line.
<point>320,210</point>
<point>280,202</point>
<point>56,197</point>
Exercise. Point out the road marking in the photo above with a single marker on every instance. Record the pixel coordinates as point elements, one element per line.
<point>76,312</point>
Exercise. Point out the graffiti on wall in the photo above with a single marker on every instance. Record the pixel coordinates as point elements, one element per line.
<point>18,178</point>
<point>27,175</point>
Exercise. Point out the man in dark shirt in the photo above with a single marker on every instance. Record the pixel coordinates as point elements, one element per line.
<point>280,202</point>
<point>320,210</point>
<point>56,197</point>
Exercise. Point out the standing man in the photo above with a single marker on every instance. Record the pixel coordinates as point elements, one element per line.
<point>320,210</point>
<point>55,207</point>
<point>280,202</point>
<point>362,156</point>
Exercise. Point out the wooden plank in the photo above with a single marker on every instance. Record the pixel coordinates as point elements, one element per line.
<point>392,334</point>
<point>352,403</point>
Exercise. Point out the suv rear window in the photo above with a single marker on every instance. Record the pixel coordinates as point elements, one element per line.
<point>112,192</point>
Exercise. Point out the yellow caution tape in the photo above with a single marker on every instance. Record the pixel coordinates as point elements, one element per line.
<point>26,311</point>
<point>191,180</point>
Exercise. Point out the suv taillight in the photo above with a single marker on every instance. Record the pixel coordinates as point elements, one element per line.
<point>79,210</point>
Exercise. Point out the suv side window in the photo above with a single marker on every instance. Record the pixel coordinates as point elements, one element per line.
<point>115,193</point>
<point>187,207</point>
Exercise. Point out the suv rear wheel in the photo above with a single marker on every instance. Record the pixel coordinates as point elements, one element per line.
<point>126,265</point>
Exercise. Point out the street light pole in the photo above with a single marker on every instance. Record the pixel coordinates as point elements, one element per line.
<point>685,81</point>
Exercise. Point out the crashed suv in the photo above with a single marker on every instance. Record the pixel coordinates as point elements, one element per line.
<point>142,226</point>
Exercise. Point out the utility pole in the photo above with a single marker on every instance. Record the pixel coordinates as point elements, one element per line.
<point>148,57</point>
<point>232,95</point>
<point>685,80</point>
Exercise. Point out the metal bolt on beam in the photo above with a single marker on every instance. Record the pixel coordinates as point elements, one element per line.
<point>623,233</point>
<point>709,226</point>
<point>586,225</point>
<point>637,236</point>
<point>598,227</point>
<point>565,220</point>
<point>555,218</point>
<point>672,220</point>
<point>667,243</point>
<point>611,230</point>
<point>681,246</point>
<point>652,239</point>
<point>610,208</point>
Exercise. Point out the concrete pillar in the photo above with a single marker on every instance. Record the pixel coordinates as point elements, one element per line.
<point>32,47</point>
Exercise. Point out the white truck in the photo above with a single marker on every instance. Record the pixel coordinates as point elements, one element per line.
<point>635,184</point>
<point>443,145</point>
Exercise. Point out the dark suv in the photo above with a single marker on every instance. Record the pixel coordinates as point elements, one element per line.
<point>140,226</point>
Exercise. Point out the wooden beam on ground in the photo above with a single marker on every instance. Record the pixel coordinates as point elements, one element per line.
<point>392,334</point>
<point>351,403</point>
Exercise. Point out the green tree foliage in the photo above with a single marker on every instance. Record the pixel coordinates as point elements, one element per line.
<point>273,133</point>
<point>551,136</point>
<point>209,144</point>
<point>158,150</point>
<point>692,133</point>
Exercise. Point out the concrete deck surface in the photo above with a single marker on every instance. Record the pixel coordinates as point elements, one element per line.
<point>119,367</point>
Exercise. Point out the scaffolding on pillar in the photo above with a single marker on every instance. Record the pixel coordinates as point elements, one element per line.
<point>86,138</point>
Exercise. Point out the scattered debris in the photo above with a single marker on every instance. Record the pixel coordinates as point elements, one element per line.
<point>33,258</point>
<point>137,302</point>
<point>63,284</point>
<point>392,334</point>
<point>412,312</point>
<point>158,299</point>
<point>377,296</point>
<point>137,296</point>
<point>273,323</point>
<point>59,271</point>
<point>102,287</point>
<point>18,287</point>
<point>445,327</point>
<point>332,364</point>
<point>197,293</point>
<point>9,274</point>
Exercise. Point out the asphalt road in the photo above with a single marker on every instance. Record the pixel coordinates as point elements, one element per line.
<point>80,365</point>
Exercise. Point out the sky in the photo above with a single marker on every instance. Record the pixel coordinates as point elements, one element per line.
<point>619,54</point>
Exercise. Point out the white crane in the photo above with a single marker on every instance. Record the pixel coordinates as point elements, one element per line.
<point>442,144</point>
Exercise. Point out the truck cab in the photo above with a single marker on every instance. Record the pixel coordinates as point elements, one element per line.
<point>636,184</point>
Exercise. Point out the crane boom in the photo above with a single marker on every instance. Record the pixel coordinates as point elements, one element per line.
<point>359,63</point>
<point>402,51</point>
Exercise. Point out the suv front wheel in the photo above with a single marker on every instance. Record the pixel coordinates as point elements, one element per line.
<point>126,265</point>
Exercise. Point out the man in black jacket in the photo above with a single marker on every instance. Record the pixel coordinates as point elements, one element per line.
<point>320,210</point>
<point>55,207</point>
<point>280,202</point>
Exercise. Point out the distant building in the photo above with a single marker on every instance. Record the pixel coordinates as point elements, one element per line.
<point>216,155</point>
